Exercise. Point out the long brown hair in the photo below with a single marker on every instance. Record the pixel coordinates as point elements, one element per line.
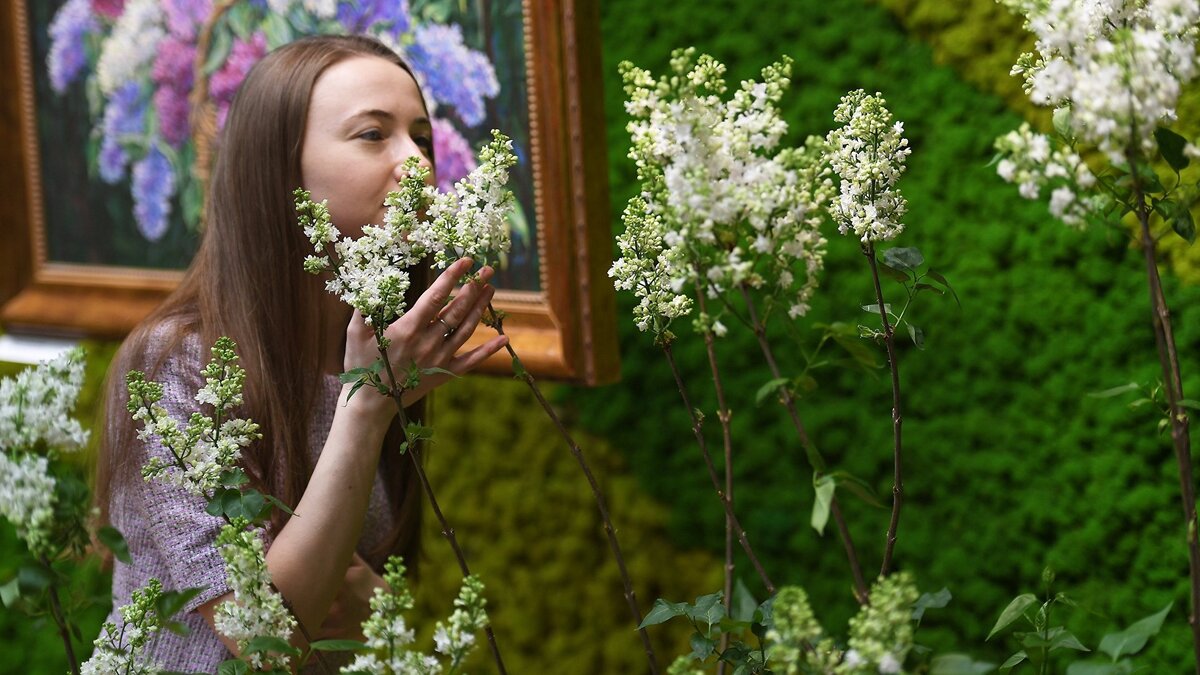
<point>246,282</point>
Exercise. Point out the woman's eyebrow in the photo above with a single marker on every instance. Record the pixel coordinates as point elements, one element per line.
<point>373,112</point>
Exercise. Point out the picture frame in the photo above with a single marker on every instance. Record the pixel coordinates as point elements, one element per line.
<point>564,328</point>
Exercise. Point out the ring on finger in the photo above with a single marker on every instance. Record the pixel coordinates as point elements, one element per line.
<point>449,329</point>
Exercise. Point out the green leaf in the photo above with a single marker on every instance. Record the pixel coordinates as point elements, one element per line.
<point>10,592</point>
<point>280,505</point>
<point>904,258</point>
<point>1062,123</point>
<point>1183,224</point>
<point>1012,661</point>
<point>898,275</point>
<point>744,603</point>
<point>708,608</point>
<point>180,629</point>
<point>233,667</point>
<point>438,371</point>
<point>874,308</point>
<point>171,603</point>
<point>222,44</point>
<point>353,375</point>
<point>858,487</point>
<point>278,30</point>
<point>1115,391</point>
<point>241,19</point>
<point>111,538</point>
<point>1170,146</point>
<point>702,647</point>
<point>1132,639</point>
<point>769,389</point>
<point>861,353</point>
<point>33,578</point>
<point>916,334</point>
<point>270,643</point>
<point>338,646</point>
<point>1061,638</point>
<point>824,486</point>
<point>1014,611</point>
<point>958,664</point>
<point>1149,179</point>
<point>1099,668</point>
<point>937,276</point>
<point>663,611</point>
<point>233,478</point>
<point>922,286</point>
<point>1189,403</point>
<point>415,431</point>
<point>930,601</point>
<point>250,505</point>
<point>519,371</point>
<point>222,501</point>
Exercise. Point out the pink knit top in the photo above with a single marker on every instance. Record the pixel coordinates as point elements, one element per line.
<point>170,535</point>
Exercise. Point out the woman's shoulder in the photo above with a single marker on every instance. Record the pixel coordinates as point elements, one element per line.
<point>168,348</point>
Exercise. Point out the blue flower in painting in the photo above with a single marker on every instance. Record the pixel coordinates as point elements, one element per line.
<point>125,115</point>
<point>453,73</point>
<point>359,15</point>
<point>67,55</point>
<point>153,185</point>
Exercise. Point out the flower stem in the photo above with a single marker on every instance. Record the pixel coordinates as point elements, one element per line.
<point>723,414</point>
<point>712,473</point>
<point>889,339</point>
<point>1168,357</point>
<point>814,456</point>
<point>396,394</point>
<point>497,322</point>
<point>60,619</point>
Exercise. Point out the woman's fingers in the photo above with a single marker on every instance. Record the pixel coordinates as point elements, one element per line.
<point>465,326</point>
<point>426,308</point>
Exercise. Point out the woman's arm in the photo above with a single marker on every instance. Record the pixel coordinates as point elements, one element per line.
<point>309,558</point>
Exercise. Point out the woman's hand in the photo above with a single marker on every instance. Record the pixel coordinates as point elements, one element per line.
<point>352,605</point>
<point>429,335</point>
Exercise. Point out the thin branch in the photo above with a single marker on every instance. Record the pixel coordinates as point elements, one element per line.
<point>496,320</point>
<point>1168,357</point>
<point>60,619</point>
<point>814,456</point>
<point>712,473</point>
<point>396,394</point>
<point>889,338</point>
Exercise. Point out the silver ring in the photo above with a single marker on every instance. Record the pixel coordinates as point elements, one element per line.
<point>449,329</point>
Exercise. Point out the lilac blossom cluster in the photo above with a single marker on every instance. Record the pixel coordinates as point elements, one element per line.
<point>868,152</point>
<point>145,61</point>
<point>1118,65</point>
<point>734,209</point>
<point>1032,161</point>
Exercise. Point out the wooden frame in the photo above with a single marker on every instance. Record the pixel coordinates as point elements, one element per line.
<point>564,331</point>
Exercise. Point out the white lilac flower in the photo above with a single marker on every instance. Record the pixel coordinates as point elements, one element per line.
<point>209,446</point>
<point>868,152</point>
<point>456,637</point>
<point>881,634</point>
<point>1119,66</point>
<point>257,609</point>
<point>736,210</point>
<point>132,46</point>
<point>27,499</point>
<point>119,649</point>
<point>369,273</point>
<point>795,641</point>
<point>36,404</point>
<point>1034,163</point>
<point>471,220</point>
<point>647,266</point>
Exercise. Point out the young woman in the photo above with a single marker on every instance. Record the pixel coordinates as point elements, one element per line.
<point>337,115</point>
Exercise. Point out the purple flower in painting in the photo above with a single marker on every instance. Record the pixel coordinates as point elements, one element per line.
<point>110,9</point>
<point>153,185</point>
<point>173,72</point>
<point>454,156</point>
<point>67,57</point>
<point>184,17</point>
<point>453,73</point>
<point>125,115</point>
<point>359,15</point>
<point>224,83</point>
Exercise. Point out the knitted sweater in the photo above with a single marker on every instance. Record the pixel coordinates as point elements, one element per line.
<point>170,535</point>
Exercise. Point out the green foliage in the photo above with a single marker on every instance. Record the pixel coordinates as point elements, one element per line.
<point>1009,466</point>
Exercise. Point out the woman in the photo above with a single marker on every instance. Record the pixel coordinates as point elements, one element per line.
<point>337,115</point>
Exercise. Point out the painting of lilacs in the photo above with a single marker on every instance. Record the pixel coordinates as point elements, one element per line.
<point>150,68</point>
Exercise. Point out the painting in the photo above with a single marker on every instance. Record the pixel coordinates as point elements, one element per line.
<point>119,101</point>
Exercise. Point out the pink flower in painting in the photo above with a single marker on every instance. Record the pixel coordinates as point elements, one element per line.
<point>453,155</point>
<point>184,17</point>
<point>173,72</point>
<point>225,82</point>
<point>110,9</point>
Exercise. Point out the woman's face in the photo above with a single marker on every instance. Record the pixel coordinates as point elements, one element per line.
<point>365,118</point>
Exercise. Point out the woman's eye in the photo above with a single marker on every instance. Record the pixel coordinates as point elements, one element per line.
<point>425,143</point>
<point>371,135</point>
